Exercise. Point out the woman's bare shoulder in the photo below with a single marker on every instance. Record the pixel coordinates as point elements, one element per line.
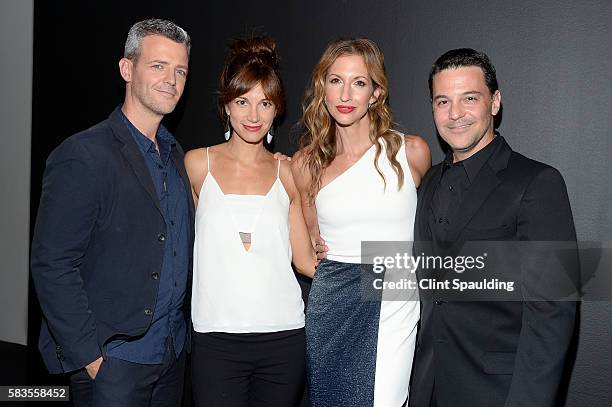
<point>416,144</point>
<point>418,155</point>
<point>195,157</point>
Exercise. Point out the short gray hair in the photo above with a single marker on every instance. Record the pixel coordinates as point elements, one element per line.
<point>154,26</point>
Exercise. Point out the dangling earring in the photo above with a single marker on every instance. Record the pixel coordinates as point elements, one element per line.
<point>269,136</point>
<point>369,105</point>
<point>228,129</point>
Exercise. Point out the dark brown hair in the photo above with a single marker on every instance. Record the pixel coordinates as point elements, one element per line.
<point>250,62</point>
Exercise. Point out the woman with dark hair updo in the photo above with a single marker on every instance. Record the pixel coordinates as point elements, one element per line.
<point>247,310</point>
<point>358,178</point>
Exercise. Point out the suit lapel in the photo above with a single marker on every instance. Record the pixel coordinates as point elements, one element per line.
<point>423,238</point>
<point>133,156</point>
<point>178,157</point>
<point>428,187</point>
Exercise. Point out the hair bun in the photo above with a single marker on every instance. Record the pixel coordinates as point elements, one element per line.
<point>255,48</point>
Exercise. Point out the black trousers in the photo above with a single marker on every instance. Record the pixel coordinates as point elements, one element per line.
<point>248,370</point>
<point>120,383</point>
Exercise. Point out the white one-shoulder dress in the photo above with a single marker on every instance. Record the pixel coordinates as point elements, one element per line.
<point>359,352</point>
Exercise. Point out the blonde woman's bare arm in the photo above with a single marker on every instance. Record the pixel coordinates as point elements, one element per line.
<point>304,258</point>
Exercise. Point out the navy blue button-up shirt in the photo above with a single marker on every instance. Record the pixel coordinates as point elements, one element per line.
<point>168,319</point>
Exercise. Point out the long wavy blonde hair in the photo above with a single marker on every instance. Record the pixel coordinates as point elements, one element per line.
<point>319,142</point>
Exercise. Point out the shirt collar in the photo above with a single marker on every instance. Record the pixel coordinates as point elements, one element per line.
<point>165,140</point>
<point>474,163</point>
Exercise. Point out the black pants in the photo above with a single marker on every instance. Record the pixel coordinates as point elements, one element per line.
<point>120,383</point>
<point>248,370</point>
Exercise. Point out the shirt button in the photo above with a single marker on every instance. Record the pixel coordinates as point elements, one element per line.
<point>155,276</point>
<point>161,237</point>
<point>148,312</point>
<point>450,188</point>
<point>440,220</point>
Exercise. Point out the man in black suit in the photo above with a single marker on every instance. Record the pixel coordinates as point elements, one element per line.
<point>487,353</point>
<point>111,254</point>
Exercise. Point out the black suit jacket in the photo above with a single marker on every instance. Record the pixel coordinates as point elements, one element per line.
<point>496,353</point>
<point>99,238</point>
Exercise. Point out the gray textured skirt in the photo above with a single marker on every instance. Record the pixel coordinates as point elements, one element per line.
<point>341,335</point>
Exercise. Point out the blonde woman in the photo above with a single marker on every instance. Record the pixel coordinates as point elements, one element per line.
<point>357,178</point>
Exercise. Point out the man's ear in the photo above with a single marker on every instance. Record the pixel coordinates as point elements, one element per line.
<point>496,103</point>
<point>125,69</point>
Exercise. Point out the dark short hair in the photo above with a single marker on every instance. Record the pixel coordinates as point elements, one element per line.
<point>251,62</point>
<point>463,57</point>
<point>153,26</point>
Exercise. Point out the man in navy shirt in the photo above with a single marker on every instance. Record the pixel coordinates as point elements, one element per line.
<point>111,255</point>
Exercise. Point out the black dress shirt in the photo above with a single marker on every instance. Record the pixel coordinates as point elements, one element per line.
<point>455,181</point>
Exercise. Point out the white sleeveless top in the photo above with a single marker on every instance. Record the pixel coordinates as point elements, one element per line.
<point>356,206</point>
<point>240,291</point>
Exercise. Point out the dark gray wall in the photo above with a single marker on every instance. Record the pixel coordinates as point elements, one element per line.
<point>553,60</point>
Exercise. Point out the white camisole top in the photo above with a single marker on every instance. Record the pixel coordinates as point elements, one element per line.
<point>237,290</point>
